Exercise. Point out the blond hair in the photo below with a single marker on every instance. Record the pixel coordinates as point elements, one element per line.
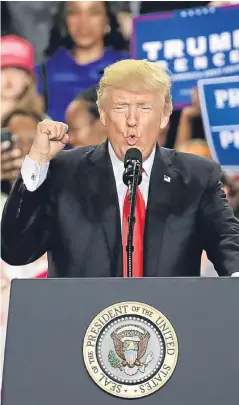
<point>136,75</point>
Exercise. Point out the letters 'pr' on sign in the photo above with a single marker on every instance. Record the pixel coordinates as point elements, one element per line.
<point>219,100</point>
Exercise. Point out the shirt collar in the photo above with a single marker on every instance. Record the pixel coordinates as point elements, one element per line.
<point>118,165</point>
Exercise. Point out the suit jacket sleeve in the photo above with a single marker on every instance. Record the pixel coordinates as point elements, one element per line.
<point>219,227</point>
<point>26,224</point>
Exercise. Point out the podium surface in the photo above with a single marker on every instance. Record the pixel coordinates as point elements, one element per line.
<point>48,320</point>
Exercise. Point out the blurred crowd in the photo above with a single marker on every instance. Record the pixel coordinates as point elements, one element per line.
<point>52,57</point>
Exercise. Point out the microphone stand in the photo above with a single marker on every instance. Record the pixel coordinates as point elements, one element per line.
<point>131,218</point>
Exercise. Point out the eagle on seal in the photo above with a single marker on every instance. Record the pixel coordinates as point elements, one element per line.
<point>131,348</point>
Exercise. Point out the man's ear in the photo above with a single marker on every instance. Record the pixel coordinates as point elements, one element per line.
<point>164,121</point>
<point>102,117</point>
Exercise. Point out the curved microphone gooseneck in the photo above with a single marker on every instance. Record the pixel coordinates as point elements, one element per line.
<point>132,177</point>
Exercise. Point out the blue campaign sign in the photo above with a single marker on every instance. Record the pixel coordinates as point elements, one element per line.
<point>219,100</point>
<point>193,44</point>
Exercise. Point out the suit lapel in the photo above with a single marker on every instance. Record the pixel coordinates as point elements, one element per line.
<point>107,198</point>
<point>160,197</point>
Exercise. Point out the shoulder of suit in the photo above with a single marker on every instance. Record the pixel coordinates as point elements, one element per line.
<point>72,157</point>
<point>190,165</point>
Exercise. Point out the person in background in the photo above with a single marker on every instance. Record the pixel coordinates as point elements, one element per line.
<point>231,188</point>
<point>190,123</point>
<point>23,123</point>
<point>79,56</point>
<point>197,147</point>
<point>83,119</point>
<point>126,10</point>
<point>84,124</point>
<point>7,24</point>
<point>18,93</point>
<point>21,126</point>
<point>11,162</point>
<point>18,87</point>
<point>230,183</point>
<point>31,20</point>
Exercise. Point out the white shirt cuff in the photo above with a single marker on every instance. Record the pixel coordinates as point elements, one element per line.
<point>33,174</point>
<point>236,274</point>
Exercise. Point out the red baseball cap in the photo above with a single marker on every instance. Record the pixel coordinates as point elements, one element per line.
<point>16,52</point>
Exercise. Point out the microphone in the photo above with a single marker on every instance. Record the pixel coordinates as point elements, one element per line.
<point>133,165</point>
<point>132,177</point>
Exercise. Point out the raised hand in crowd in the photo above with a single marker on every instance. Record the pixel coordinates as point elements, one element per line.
<point>186,127</point>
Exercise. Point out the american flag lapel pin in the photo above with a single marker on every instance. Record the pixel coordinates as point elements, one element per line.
<point>167,178</point>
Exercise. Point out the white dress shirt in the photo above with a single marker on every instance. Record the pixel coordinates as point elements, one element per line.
<point>118,168</point>
<point>33,174</point>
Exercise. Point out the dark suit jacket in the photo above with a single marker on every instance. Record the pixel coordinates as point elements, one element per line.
<point>74,215</point>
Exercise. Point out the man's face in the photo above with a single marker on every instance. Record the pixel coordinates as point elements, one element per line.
<point>133,119</point>
<point>13,83</point>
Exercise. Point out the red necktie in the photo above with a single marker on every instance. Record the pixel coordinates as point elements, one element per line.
<point>138,239</point>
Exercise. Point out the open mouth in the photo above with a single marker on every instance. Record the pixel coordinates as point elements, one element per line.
<point>131,139</point>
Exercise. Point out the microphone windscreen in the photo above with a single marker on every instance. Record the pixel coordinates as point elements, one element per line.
<point>133,154</point>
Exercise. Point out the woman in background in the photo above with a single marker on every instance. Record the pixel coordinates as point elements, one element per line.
<point>79,54</point>
<point>18,86</point>
<point>18,93</point>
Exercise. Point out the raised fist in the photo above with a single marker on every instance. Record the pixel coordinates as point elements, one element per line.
<point>50,139</point>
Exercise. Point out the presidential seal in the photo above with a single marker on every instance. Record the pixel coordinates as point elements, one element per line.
<point>130,349</point>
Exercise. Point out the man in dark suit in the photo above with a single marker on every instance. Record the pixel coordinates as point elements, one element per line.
<point>71,203</point>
